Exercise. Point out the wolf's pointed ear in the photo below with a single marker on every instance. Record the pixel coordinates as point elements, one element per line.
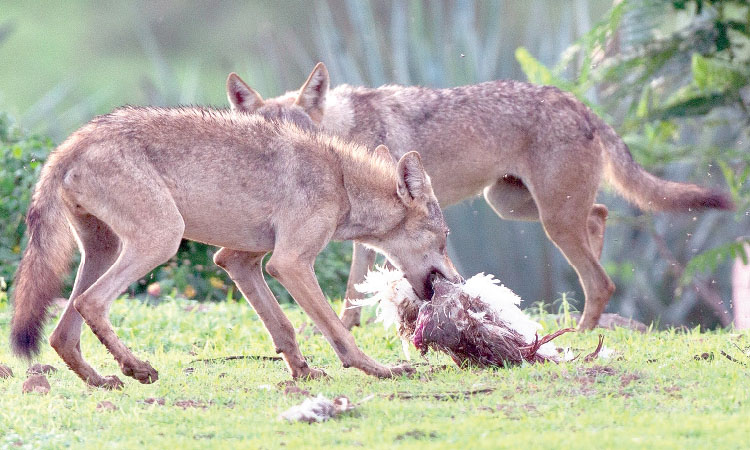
<point>312,95</point>
<point>413,183</point>
<point>382,152</point>
<point>241,96</point>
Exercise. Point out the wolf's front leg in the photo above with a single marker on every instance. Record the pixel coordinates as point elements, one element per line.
<point>245,270</point>
<point>298,277</point>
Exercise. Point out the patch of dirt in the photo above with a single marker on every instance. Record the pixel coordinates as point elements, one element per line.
<point>628,378</point>
<point>512,411</point>
<point>415,434</point>
<point>106,405</point>
<point>185,404</point>
<point>238,357</point>
<point>587,377</point>
<point>37,384</point>
<point>705,356</point>
<point>5,371</point>
<point>154,401</point>
<point>296,390</point>
<point>435,369</point>
<point>596,370</point>
<point>673,391</point>
<point>40,369</point>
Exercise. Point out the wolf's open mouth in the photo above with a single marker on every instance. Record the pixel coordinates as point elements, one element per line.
<point>432,278</point>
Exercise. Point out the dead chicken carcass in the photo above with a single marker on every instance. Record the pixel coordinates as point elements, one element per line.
<point>477,322</point>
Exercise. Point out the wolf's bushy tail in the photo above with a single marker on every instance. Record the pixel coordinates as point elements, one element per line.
<point>44,263</point>
<point>647,191</point>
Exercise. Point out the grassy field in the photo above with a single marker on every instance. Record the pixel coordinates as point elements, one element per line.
<point>662,389</point>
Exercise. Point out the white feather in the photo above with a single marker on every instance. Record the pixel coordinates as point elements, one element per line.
<point>503,303</point>
<point>606,352</point>
<point>388,289</point>
<point>313,409</point>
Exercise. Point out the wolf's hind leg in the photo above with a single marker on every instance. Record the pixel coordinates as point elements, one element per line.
<point>100,247</point>
<point>570,220</point>
<point>135,261</point>
<point>511,200</point>
<point>245,270</point>
<point>149,234</point>
<point>362,260</point>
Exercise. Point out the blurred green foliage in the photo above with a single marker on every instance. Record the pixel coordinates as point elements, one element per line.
<point>679,96</point>
<point>21,157</point>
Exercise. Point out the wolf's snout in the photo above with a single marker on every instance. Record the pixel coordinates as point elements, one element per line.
<point>448,272</point>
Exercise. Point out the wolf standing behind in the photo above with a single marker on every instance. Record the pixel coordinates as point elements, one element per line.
<point>131,184</point>
<point>537,154</point>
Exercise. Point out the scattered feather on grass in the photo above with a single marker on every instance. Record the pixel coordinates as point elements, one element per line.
<point>317,409</point>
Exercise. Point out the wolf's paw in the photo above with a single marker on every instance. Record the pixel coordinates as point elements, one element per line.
<point>141,371</point>
<point>314,373</point>
<point>309,373</point>
<point>402,369</point>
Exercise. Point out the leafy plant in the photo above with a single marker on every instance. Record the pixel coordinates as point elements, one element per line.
<point>21,157</point>
<point>709,260</point>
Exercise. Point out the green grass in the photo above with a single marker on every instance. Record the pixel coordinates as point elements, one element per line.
<point>653,393</point>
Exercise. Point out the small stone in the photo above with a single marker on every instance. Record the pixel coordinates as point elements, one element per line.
<point>295,390</point>
<point>36,383</point>
<point>185,404</point>
<point>106,406</point>
<point>5,371</point>
<point>39,369</point>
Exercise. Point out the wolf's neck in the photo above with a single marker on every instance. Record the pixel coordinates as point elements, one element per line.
<point>338,118</point>
<point>374,207</point>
